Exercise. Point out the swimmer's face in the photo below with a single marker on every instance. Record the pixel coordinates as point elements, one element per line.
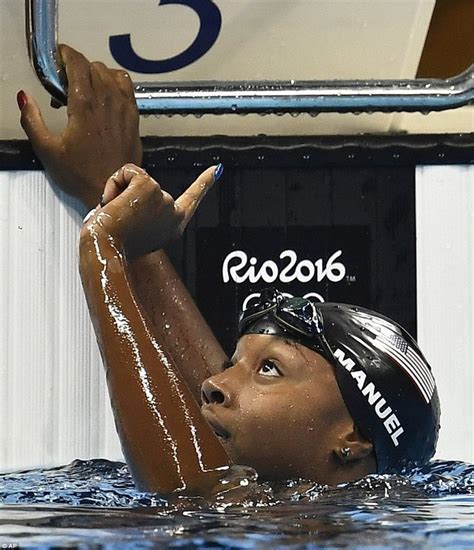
<point>278,408</point>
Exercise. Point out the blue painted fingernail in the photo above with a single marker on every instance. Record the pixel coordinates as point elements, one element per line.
<point>218,171</point>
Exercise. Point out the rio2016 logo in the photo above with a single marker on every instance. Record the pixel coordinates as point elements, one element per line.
<point>210,21</point>
<point>238,267</point>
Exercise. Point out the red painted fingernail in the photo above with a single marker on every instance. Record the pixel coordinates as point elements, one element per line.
<point>21,99</point>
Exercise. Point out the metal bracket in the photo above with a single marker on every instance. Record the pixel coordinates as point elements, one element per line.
<point>243,97</point>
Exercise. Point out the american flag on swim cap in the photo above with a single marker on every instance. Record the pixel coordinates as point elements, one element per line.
<point>396,347</point>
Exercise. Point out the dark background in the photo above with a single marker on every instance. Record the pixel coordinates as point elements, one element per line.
<point>368,213</point>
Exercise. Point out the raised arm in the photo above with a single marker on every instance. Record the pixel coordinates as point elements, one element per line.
<point>176,318</point>
<point>101,135</point>
<point>166,441</point>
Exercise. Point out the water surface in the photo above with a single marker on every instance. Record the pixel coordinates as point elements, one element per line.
<point>94,503</point>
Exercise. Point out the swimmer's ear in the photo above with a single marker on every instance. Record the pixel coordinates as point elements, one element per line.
<point>353,447</point>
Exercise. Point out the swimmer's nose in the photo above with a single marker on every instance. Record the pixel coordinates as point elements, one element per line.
<point>213,394</point>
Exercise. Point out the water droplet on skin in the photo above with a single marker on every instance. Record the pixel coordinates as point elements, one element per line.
<point>167,326</point>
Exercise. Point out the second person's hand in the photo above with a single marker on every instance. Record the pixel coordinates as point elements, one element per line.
<point>101,134</point>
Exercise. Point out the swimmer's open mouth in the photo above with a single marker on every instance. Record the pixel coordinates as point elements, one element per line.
<point>219,431</point>
<point>221,434</point>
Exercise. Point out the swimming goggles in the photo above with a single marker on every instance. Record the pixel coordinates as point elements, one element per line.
<point>299,318</point>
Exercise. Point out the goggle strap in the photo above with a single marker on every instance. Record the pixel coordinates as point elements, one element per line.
<point>246,319</point>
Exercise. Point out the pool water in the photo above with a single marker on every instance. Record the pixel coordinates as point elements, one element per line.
<point>94,504</point>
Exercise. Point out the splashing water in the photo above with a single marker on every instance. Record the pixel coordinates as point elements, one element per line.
<point>95,502</point>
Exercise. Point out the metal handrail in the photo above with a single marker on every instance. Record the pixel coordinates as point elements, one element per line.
<point>252,97</point>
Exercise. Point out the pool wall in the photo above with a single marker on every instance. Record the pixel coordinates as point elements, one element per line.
<point>445,297</point>
<point>269,40</point>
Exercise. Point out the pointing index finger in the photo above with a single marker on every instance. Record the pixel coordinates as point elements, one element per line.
<point>193,195</point>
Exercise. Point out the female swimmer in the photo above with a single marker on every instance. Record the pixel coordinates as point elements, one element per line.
<point>325,392</point>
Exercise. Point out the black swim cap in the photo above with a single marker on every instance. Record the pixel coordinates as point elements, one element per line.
<point>385,381</point>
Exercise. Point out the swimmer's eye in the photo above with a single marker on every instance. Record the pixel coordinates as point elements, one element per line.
<point>269,369</point>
